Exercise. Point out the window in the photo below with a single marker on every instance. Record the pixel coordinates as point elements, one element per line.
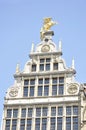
<point>46,90</point>
<point>32,82</point>
<point>68,110</point>
<point>41,60</point>
<point>53,123</point>
<point>75,123</point>
<point>40,90</point>
<point>29,124</point>
<point>23,112</point>
<point>48,59</point>
<point>53,111</point>
<point>15,113</point>
<point>14,124</point>
<point>7,127</point>
<point>44,123</point>
<point>31,90</point>
<point>47,67</point>
<point>61,89</point>
<point>44,111</point>
<point>25,91</point>
<point>41,67</point>
<point>59,123</point>
<point>54,81</point>
<point>68,123</point>
<point>22,124</point>
<point>75,110</point>
<point>40,81</point>
<point>60,111</point>
<point>33,67</point>
<point>26,82</point>
<point>46,81</point>
<point>37,124</point>
<point>61,80</point>
<point>54,90</point>
<point>55,66</point>
<point>9,113</point>
<point>38,112</point>
<point>30,110</point>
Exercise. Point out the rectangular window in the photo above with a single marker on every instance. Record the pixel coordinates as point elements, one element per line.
<point>14,124</point>
<point>59,123</point>
<point>22,124</point>
<point>38,112</point>
<point>41,60</point>
<point>75,110</point>
<point>55,66</point>
<point>31,90</point>
<point>9,113</point>
<point>54,90</point>
<point>37,124</point>
<point>23,112</point>
<point>47,67</point>
<point>44,111</point>
<point>7,127</point>
<point>44,123</point>
<point>53,123</point>
<point>26,82</point>
<point>15,113</point>
<point>33,68</point>
<point>30,110</point>
<point>48,59</point>
<point>46,90</point>
<point>54,81</point>
<point>40,81</point>
<point>41,67</point>
<point>68,110</point>
<point>68,123</point>
<point>75,123</point>
<point>46,81</point>
<point>25,91</point>
<point>29,124</point>
<point>61,80</point>
<point>40,90</point>
<point>61,89</point>
<point>53,111</point>
<point>60,111</point>
<point>32,82</point>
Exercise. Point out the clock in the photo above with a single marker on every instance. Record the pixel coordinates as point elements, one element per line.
<point>45,48</point>
<point>72,89</point>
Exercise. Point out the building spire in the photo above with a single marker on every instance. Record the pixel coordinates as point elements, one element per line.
<point>60,45</point>
<point>32,48</point>
<point>73,64</point>
<point>17,68</point>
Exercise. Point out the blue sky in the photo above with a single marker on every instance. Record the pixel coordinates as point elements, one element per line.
<point>20,23</point>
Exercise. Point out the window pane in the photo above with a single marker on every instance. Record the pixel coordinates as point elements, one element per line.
<point>75,110</point>
<point>46,81</point>
<point>61,89</point>
<point>15,113</point>
<point>61,79</point>
<point>41,60</point>
<point>14,124</point>
<point>55,66</point>
<point>68,110</point>
<point>38,112</point>
<point>9,113</point>
<point>75,123</point>
<point>40,90</point>
<point>44,111</point>
<point>31,90</point>
<point>29,124</point>
<point>44,124</point>
<point>60,111</point>
<point>46,90</point>
<point>53,123</point>
<point>25,91</point>
<point>47,66</point>
<point>54,81</point>
<point>59,123</point>
<point>32,82</point>
<point>41,67</point>
<point>40,81</point>
<point>33,67</point>
<point>30,110</point>
<point>26,82</point>
<point>54,90</point>
<point>23,112</point>
<point>7,127</point>
<point>48,59</point>
<point>37,124</point>
<point>68,123</point>
<point>53,111</point>
<point>22,124</point>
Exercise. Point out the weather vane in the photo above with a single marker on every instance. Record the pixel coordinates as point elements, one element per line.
<point>48,23</point>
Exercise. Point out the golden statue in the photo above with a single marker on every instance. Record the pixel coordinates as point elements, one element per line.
<point>48,23</point>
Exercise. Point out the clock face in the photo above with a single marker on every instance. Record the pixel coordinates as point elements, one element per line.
<point>45,48</point>
<point>72,89</point>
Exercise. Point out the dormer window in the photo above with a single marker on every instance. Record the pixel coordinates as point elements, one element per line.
<point>33,67</point>
<point>55,66</point>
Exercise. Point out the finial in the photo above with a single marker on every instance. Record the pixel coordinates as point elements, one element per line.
<point>73,65</point>
<point>17,68</point>
<point>60,45</point>
<point>32,48</point>
<point>48,23</point>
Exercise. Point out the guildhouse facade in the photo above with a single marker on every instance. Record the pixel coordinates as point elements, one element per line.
<point>45,95</point>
